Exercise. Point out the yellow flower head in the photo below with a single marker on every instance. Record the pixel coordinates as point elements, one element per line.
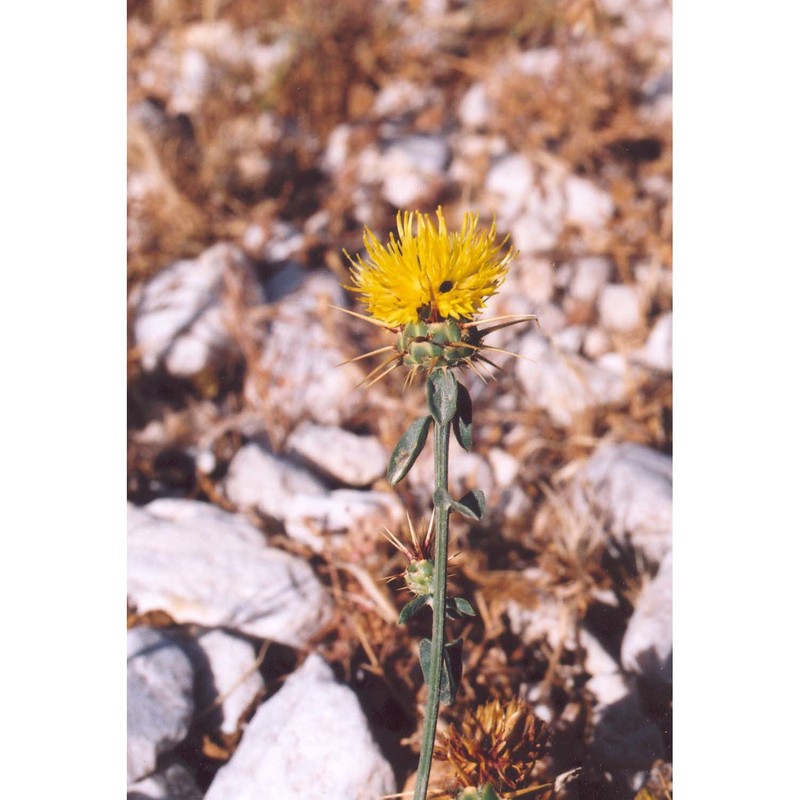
<point>429,274</point>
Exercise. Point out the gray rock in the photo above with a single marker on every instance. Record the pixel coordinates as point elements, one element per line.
<point>179,319</point>
<point>631,486</point>
<point>160,700</point>
<point>647,645</point>
<point>348,458</point>
<point>310,740</point>
<point>203,565</point>
<point>228,677</point>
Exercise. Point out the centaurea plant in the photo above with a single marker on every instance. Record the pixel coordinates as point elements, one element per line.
<point>427,286</point>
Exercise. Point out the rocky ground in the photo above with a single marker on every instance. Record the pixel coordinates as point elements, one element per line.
<point>264,650</point>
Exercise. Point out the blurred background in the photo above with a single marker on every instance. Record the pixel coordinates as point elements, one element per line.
<point>262,138</point>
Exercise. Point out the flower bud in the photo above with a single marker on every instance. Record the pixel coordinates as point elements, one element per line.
<point>419,577</point>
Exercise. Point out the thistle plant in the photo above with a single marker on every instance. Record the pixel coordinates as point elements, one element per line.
<point>426,287</point>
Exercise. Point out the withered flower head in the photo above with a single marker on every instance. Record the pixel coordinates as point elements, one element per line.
<point>497,744</point>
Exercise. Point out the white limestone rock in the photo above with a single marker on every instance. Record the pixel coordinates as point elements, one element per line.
<point>160,699</point>
<point>412,168</point>
<point>204,565</point>
<point>657,350</point>
<point>346,457</point>
<point>647,645</point>
<point>563,384</point>
<point>543,618</point>
<point>475,108</point>
<point>631,486</point>
<point>179,322</point>
<point>301,356</point>
<point>342,513</point>
<point>228,676</point>
<point>401,97</point>
<point>541,62</point>
<point>541,219</point>
<point>171,781</point>
<point>587,205</point>
<point>620,308</point>
<point>337,149</point>
<point>258,479</point>
<point>589,277</point>
<point>310,513</point>
<point>625,741</point>
<point>311,739</point>
<point>511,180</point>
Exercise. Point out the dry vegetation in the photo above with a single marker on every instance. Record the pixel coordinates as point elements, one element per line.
<point>208,172</point>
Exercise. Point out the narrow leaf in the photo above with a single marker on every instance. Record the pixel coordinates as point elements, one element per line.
<point>451,668</point>
<point>413,607</point>
<point>407,450</point>
<point>462,424</point>
<point>442,391</point>
<point>472,504</point>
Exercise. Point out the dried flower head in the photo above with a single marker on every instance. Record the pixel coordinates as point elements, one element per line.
<point>429,274</point>
<point>427,286</point>
<point>497,744</point>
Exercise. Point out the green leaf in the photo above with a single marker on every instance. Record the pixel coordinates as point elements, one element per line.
<point>442,391</point>
<point>462,423</point>
<point>472,504</point>
<point>464,607</point>
<point>452,668</point>
<point>413,607</point>
<point>407,450</point>
<point>458,607</point>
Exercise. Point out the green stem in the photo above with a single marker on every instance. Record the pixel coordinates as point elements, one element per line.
<point>440,460</point>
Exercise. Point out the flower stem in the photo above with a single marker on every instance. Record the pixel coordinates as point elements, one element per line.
<point>440,462</point>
